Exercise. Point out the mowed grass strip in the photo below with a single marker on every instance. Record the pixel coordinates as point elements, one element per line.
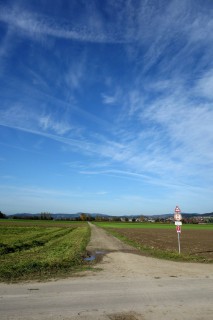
<point>18,239</point>
<point>61,251</point>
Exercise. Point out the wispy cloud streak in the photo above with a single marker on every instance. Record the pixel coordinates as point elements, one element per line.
<point>125,88</point>
<point>36,24</point>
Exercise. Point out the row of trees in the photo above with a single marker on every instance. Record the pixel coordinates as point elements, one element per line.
<point>2,215</point>
<point>88,217</point>
<point>42,216</point>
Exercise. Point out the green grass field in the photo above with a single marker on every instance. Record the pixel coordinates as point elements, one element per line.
<point>147,225</point>
<point>40,249</point>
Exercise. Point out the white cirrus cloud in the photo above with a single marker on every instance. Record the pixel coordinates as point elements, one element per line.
<point>32,24</point>
<point>204,86</point>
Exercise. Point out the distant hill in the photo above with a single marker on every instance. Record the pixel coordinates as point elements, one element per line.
<point>190,215</point>
<point>57,216</point>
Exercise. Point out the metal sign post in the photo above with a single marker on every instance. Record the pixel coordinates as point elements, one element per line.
<point>178,229</point>
<point>178,223</point>
<point>179,242</point>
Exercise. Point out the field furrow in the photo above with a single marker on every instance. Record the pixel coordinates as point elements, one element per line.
<point>31,251</point>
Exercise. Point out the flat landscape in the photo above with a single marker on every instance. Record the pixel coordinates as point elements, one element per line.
<point>123,285</point>
<point>42,249</point>
<point>161,239</point>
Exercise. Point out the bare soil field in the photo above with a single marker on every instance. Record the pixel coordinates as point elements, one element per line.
<point>197,243</point>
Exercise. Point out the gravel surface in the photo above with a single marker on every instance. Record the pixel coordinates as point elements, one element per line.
<point>128,287</point>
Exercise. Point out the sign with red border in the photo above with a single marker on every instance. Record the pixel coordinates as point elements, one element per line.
<point>177,214</point>
<point>178,229</point>
<point>177,209</point>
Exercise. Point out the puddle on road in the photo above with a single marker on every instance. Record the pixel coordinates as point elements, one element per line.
<point>95,256</point>
<point>90,258</point>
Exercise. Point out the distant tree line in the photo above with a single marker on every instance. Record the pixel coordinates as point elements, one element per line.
<point>2,215</point>
<point>41,216</point>
<point>46,216</point>
<point>99,218</point>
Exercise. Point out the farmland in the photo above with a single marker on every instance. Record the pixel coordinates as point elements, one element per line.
<point>160,240</point>
<point>46,249</point>
<point>40,249</point>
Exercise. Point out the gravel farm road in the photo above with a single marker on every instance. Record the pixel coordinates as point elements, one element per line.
<point>126,286</point>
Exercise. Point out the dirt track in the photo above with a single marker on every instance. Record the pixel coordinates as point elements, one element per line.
<point>129,287</point>
<point>124,260</point>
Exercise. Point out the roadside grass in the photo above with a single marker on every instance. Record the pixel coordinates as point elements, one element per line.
<point>42,252</point>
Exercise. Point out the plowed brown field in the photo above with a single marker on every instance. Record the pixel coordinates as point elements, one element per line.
<point>198,243</point>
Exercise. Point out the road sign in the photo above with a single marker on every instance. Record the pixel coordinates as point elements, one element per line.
<point>178,223</point>
<point>177,217</point>
<point>177,214</point>
<point>177,209</point>
<point>178,229</point>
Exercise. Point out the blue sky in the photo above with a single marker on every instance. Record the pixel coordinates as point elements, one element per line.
<point>106,106</point>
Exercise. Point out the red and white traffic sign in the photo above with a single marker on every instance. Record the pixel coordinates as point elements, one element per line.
<point>178,223</point>
<point>177,214</point>
<point>177,209</point>
<point>178,229</point>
